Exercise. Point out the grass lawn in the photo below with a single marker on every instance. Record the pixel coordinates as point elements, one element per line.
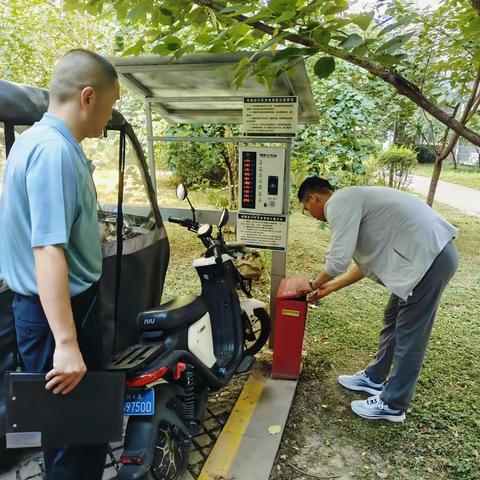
<point>440,439</point>
<point>466,176</point>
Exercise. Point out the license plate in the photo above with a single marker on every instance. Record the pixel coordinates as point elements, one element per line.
<point>139,401</point>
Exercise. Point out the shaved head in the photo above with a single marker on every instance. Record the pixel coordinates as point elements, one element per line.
<point>79,69</point>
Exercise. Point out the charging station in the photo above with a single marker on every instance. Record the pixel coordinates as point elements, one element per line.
<point>261,179</point>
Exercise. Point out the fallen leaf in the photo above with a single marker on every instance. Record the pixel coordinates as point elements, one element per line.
<point>274,429</point>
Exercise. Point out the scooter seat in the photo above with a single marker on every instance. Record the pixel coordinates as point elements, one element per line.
<point>181,311</point>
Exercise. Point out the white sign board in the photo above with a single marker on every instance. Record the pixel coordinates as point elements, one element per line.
<point>270,116</point>
<point>263,231</point>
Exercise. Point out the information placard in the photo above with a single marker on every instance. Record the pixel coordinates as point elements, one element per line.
<point>263,231</point>
<point>270,116</point>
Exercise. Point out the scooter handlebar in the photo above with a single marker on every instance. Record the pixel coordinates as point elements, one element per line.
<point>184,222</point>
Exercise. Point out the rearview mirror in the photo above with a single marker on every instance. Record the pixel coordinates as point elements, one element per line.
<point>223,218</point>
<point>181,191</point>
<point>204,230</point>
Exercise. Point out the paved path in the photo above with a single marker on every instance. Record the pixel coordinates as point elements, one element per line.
<point>463,198</point>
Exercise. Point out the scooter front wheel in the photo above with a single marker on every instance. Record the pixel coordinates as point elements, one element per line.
<point>170,458</point>
<point>256,330</point>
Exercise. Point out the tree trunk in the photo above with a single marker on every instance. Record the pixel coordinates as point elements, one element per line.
<point>231,185</point>
<point>454,160</point>
<point>437,169</point>
<point>232,161</point>
<point>230,179</point>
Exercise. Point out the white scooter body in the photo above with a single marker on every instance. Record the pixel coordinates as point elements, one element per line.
<point>200,339</point>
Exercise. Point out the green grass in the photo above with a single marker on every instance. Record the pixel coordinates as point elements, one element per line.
<point>440,439</point>
<point>466,176</point>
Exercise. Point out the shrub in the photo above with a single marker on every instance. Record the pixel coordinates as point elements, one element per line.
<point>425,153</point>
<point>395,166</point>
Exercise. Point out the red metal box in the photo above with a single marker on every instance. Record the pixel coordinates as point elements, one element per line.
<point>290,317</point>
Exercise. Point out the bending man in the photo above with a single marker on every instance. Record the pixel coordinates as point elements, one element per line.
<point>400,242</point>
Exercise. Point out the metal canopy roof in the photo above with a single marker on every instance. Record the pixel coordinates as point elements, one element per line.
<point>195,88</point>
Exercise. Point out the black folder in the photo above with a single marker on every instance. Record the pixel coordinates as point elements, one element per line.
<point>91,413</point>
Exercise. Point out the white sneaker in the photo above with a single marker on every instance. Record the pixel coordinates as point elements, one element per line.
<point>360,383</point>
<point>374,409</point>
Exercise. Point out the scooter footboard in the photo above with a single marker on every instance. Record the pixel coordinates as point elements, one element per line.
<point>141,434</point>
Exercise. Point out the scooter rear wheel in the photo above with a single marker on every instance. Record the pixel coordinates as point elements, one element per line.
<point>170,458</point>
<point>255,331</point>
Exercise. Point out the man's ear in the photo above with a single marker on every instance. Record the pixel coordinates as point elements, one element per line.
<point>87,96</point>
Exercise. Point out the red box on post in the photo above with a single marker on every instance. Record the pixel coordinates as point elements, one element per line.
<point>290,317</point>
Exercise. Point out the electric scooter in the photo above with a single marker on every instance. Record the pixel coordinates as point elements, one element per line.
<point>189,347</point>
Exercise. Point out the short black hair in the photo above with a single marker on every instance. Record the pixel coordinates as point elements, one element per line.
<point>80,68</point>
<point>313,185</point>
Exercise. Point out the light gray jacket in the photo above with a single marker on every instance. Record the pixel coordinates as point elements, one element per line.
<point>393,236</point>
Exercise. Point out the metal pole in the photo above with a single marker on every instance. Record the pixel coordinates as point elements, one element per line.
<point>150,140</point>
<point>279,259</point>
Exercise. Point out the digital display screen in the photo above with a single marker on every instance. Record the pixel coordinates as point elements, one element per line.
<point>249,173</point>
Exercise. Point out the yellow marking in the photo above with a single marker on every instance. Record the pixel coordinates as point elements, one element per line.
<point>290,313</point>
<point>221,457</point>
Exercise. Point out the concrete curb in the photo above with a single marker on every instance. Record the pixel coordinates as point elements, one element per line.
<point>246,450</point>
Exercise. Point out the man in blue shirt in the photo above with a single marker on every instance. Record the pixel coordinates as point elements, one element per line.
<point>50,253</point>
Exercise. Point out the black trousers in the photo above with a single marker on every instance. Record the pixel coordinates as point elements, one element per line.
<point>36,346</point>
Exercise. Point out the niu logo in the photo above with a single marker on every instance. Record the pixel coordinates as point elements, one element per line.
<point>149,321</point>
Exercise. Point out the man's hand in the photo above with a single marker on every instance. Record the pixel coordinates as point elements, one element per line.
<point>321,292</point>
<point>68,368</point>
<point>301,292</point>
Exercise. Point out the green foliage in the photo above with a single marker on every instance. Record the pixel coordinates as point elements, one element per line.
<point>425,153</point>
<point>176,28</point>
<point>324,67</point>
<point>204,164</point>
<point>396,166</point>
<point>437,57</point>
<point>352,122</point>
<point>35,33</point>
<point>218,197</point>
<point>193,164</point>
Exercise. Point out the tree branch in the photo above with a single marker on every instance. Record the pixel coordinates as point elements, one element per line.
<point>400,83</point>
<point>472,99</point>
<point>475,107</point>
<point>420,132</point>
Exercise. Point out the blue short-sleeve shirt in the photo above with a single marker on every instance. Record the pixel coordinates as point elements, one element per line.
<point>48,198</point>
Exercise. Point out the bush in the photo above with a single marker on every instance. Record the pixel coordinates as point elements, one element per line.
<point>396,165</point>
<point>194,164</point>
<point>425,153</point>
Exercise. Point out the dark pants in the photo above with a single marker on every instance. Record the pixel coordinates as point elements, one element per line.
<point>407,326</point>
<point>36,346</point>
